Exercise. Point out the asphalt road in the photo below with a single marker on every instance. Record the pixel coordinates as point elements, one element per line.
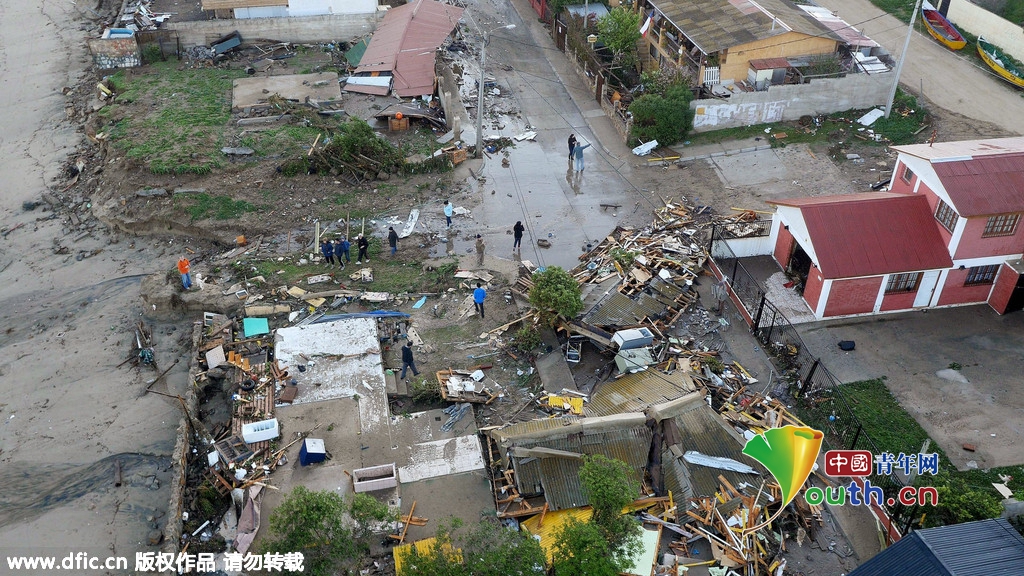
<point>947,78</point>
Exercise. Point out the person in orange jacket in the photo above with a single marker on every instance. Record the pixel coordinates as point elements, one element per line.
<point>183,269</point>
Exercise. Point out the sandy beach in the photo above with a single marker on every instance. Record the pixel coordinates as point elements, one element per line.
<point>68,304</point>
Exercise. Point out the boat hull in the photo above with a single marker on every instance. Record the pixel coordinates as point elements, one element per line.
<point>983,49</point>
<point>942,30</point>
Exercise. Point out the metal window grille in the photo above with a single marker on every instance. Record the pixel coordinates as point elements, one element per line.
<point>902,282</point>
<point>1002,225</point>
<point>981,275</point>
<point>946,216</point>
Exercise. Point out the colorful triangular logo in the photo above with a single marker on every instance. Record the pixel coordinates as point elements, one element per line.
<point>788,453</point>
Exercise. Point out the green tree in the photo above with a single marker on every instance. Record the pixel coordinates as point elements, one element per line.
<point>610,487</point>
<point>667,119</point>
<point>959,502</point>
<point>368,515</point>
<point>581,549</point>
<point>313,523</point>
<point>493,550</point>
<point>620,31</point>
<point>487,550</point>
<point>555,293</point>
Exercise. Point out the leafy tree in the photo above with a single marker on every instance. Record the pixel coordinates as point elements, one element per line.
<point>659,80</point>
<point>312,523</point>
<point>441,557</point>
<point>487,550</point>
<point>958,502</point>
<point>555,293</point>
<point>368,514</point>
<point>581,549</point>
<point>620,31</point>
<point>610,487</point>
<point>667,119</point>
<point>493,550</point>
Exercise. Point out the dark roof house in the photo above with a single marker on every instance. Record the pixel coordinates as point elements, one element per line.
<point>983,548</point>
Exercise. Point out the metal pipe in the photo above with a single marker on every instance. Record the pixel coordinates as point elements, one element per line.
<point>480,92</point>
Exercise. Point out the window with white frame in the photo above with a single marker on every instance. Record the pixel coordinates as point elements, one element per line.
<point>907,174</point>
<point>1001,225</point>
<point>902,282</point>
<point>977,275</point>
<point>946,215</point>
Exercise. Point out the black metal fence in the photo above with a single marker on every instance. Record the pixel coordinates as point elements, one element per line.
<point>816,392</point>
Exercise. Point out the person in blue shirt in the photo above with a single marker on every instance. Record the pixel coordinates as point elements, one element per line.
<point>327,249</point>
<point>448,211</point>
<point>478,299</point>
<point>342,249</point>
<point>577,153</point>
<point>407,361</point>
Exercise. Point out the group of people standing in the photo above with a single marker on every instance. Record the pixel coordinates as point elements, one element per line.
<point>334,250</point>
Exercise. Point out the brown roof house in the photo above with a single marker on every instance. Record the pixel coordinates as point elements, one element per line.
<point>401,54</point>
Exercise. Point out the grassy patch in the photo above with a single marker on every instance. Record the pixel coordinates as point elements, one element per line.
<point>963,496</point>
<point>183,124</point>
<point>901,9</point>
<point>906,118</point>
<point>200,206</point>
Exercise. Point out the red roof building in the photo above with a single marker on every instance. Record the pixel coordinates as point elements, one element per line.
<point>947,233</point>
<point>401,53</point>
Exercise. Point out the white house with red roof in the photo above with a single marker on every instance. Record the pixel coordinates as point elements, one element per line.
<point>947,233</point>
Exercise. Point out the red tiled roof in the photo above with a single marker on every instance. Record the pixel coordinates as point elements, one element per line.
<point>405,44</point>
<point>871,233</point>
<point>986,185</point>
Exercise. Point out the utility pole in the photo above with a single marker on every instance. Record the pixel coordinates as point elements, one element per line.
<point>480,93</point>
<point>903,57</point>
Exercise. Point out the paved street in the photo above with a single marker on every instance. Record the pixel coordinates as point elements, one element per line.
<point>947,78</point>
<point>539,187</point>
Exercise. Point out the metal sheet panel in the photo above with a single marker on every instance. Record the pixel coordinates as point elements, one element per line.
<point>636,392</point>
<point>984,186</point>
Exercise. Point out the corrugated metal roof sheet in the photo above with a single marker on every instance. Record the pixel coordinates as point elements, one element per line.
<point>872,233</point>
<point>984,186</point>
<point>983,548</point>
<point>559,477</point>
<point>848,33</point>
<point>636,392</point>
<point>617,309</point>
<point>714,25</point>
<point>699,428</point>
<point>769,63</point>
<point>405,43</point>
<point>553,522</point>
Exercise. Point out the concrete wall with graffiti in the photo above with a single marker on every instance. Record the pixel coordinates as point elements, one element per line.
<point>791,101</point>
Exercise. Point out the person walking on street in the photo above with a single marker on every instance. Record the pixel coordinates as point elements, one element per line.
<point>479,250</point>
<point>183,268</point>
<point>449,210</point>
<point>478,299</point>
<point>572,145</point>
<point>577,153</point>
<point>363,244</point>
<point>407,360</point>
<point>392,239</point>
<point>345,246</point>
<point>327,249</point>
<point>517,234</point>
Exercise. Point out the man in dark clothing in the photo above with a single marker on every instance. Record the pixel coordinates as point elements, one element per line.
<point>572,144</point>
<point>392,240</point>
<point>517,234</point>
<point>363,244</point>
<point>345,246</point>
<point>338,253</point>
<point>478,299</point>
<point>407,361</point>
<point>327,249</point>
